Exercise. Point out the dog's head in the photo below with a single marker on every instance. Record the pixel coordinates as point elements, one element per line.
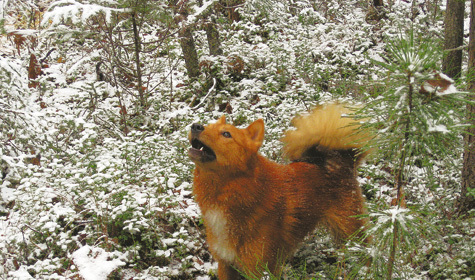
<point>221,146</point>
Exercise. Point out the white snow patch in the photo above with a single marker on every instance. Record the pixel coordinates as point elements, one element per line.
<point>396,212</point>
<point>94,264</point>
<point>193,17</point>
<point>438,128</point>
<point>21,274</point>
<point>70,9</point>
<point>450,90</point>
<point>445,77</point>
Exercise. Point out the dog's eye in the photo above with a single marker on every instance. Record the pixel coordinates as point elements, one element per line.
<point>226,134</point>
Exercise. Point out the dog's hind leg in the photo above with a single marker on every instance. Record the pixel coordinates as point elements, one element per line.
<point>346,221</point>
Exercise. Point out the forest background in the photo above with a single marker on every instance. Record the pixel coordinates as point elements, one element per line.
<point>97,97</point>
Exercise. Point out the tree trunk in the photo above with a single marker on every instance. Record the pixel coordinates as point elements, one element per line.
<point>466,202</point>
<point>187,42</point>
<point>190,55</point>
<point>214,43</point>
<point>138,68</point>
<point>452,63</point>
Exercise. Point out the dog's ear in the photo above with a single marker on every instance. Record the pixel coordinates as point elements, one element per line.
<point>222,120</point>
<point>256,133</point>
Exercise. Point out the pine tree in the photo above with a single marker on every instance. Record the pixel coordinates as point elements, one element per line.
<point>417,120</point>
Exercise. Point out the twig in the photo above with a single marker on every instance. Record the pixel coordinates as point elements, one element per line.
<point>462,47</point>
<point>206,96</point>
<point>46,56</point>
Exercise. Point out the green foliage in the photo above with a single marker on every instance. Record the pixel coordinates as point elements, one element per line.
<point>417,120</point>
<point>2,26</point>
<point>407,226</point>
<point>122,31</point>
<point>18,141</point>
<point>414,120</point>
<point>471,191</point>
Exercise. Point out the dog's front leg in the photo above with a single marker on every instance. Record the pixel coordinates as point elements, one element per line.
<point>227,272</point>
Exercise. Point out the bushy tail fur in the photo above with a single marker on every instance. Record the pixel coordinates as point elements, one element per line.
<point>328,132</point>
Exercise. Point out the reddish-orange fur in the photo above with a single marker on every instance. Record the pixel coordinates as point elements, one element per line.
<point>256,211</point>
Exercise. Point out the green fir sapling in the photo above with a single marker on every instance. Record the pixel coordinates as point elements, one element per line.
<point>417,120</point>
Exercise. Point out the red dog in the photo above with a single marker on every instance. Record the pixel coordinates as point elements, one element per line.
<point>256,211</point>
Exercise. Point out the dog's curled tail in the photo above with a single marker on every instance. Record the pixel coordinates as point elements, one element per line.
<point>327,134</point>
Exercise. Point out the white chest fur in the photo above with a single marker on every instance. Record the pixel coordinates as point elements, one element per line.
<point>216,222</point>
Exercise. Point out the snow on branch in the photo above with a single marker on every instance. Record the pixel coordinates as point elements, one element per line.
<point>77,12</point>
<point>200,12</point>
<point>12,69</point>
<point>439,85</point>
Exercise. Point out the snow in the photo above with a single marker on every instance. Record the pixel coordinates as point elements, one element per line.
<point>63,10</point>
<point>445,77</point>
<point>25,32</point>
<point>94,264</point>
<point>191,19</point>
<point>3,4</point>
<point>397,213</point>
<point>21,274</point>
<point>450,90</point>
<point>438,128</point>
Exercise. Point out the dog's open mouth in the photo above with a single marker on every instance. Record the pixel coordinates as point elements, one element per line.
<point>200,151</point>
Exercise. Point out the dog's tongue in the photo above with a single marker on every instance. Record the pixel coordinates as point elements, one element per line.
<point>195,153</point>
<point>203,154</point>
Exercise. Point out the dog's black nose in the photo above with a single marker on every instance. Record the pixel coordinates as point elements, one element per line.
<point>196,127</point>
